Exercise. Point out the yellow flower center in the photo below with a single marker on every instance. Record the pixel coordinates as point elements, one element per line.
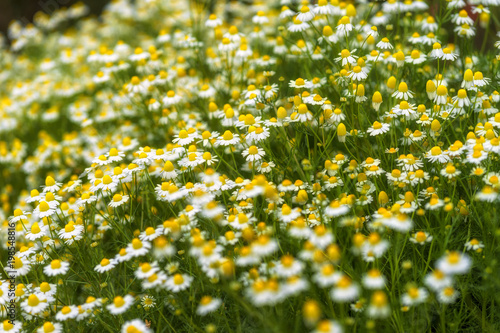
<point>33,300</point>
<point>136,243</point>
<point>55,264</point>
<point>178,279</point>
<point>118,301</point>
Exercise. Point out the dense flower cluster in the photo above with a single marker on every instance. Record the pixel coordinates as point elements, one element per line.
<point>320,166</point>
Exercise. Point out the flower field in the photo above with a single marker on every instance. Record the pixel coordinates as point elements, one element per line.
<point>252,166</point>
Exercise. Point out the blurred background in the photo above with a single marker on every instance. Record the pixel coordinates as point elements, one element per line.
<point>25,9</point>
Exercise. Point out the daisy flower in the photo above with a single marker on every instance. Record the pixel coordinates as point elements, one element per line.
<point>357,74</point>
<point>179,282</point>
<point>437,280</point>
<point>305,14</point>
<point>207,305</point>
<point>384,44</point>
<point>421,237</point>
<point>465,30</point>
<point>118,200</point>
<point>323,8</point>
<point>120,304</point>
<point>454,263</point>
<point>227,139</point>
<point>461,100</point>
<point>448,295</point>
<point>9,326</point>
<point>346,57</point>
<point>105,265</point>
<point>34,304</point>
<point>171,99</point>
<point>51,185</point>
<point>344,26</point>
<point>326,276</point>
<point>480,81</point>
<point>297,25</point>
<point>18,216</point>
<point>441,95</point>
<point>328,326</point>
<point>43,210</point>
<point>462,18</point>
<point>71,232</point>
<point>37,231</point>
<point>302,115</point>
<point>437,51</point>
<point>300,84</point>
<point>416,57</point>
<point>379,305</point>
<point>50,327</point>
<point>378,128</point>
<point>67,312</point>
<point>264,246</point>
<point>437,155</point>
<point>138,248</point>
<point>414,296</point>
<point>487,194</point>
<point>253,153</point>
<point>148,302</point>
<point>56,267</point>
<point>213,21</point>
<point>374,279</point>
<point>345,290</point>
<point>288,266</point>
<point>474,245</point>
<point>135,326</point>
<point>448,55</point>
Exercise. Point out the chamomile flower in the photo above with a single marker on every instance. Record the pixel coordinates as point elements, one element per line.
<point>474,245</point>
<point>51,185</point>
<point>56,267</point>
<point>450,172</point>
<point>137,248</point>
<point>414,296</point>
<point>34,304</point>
<point>465,30</point>
<point>462,18</point>
<point>346,57</point>
<point>305,14</point>
<point>10,326</point>
<point>298,26</point>
<point>72,232</point>
<point>345,290</point>
<point>448,295</point>
<point>207,305</point>
<point>378,128</point>
<point>50,327</point>
<point>344,26</point>
<point>416,57</point>
<point>379,305</point>
<point>67,312</point>
<point>105,265</point>
<point>253,153</point>
<point>454,263</point>
<point>448,55</point>
<point>120,304</point>
<point>118,200</point>
<point>136,326</point>
<point>421,237</point>
<point>374,279</point>
<point>37,231</point>
<point>178,282</point>
<point>328,326</point>
<point>384,44</point>
<point>437,155</point>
